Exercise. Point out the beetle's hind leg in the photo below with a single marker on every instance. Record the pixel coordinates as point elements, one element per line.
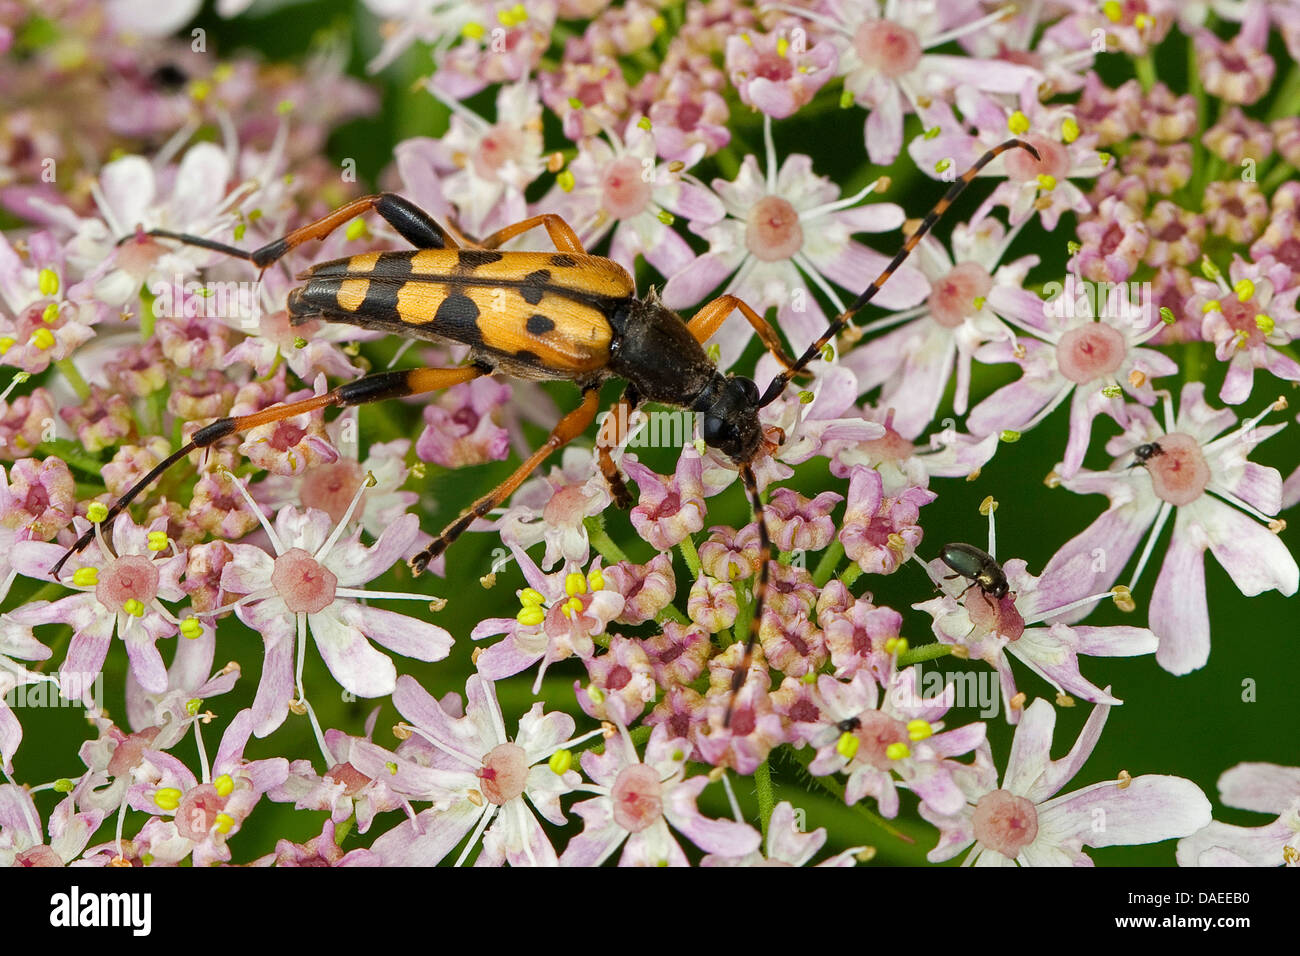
<point>414,225</point>
<point>362,391</point>
<point>570,427</point>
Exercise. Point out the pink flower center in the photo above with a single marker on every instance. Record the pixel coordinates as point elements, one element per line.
<point>890,48</point>
<point>1180,472</point>
<point>130,577</point>
<point>331,488</point>
<point>305,585</point>
<point>626,194</point>
<point>285,435</point>
<point>126,755</point>
<point>38,499</point>
<point>353,780</point>
<point>952,298</point>
<point>889,447</point>
<point>1021,167</point>
<point>1005,822</point>
<point>995,616</point>
<point>1090,352</point>
<point>499,146</point>
<point>774,231</point>
<point>689,114</point>
<point>619,677</point>
<point>638,798</point>
<point>1240,316</point>
<point>772,67</point>
<point>198,812</point>
<point>566,507</point>
<point>875,733</point>
<point>504,773</point>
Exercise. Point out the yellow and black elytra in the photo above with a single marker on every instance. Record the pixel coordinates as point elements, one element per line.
<point>536,315</point>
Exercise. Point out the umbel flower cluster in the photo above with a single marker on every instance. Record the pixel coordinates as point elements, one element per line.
<point>559,690</point>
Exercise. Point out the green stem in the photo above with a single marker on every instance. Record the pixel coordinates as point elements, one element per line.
<point>691,556</point>
<point>836,789</point>
<point>1280,173</point>
<point>74,378</point>
<point>851,574</point>
<point>1146,72</point>
<point>926,652</point>
<point>603,543</point>
<point>343,829</point>
<point>825,569</point>
<point>766,800</point>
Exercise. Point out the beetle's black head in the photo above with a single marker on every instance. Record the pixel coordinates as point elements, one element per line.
<point>729,405</point>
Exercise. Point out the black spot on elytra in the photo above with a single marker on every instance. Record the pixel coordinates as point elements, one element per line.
<point>457,319</point>
<point>473,258</point>
<point>563,262</point>
<point>535,286</point>
<point>381,301</point>
<point>392,265</point>
<point>539,324</point>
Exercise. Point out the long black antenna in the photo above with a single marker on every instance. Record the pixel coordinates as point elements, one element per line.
<point>779,383</point>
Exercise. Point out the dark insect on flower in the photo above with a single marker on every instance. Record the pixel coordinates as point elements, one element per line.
<point>563,315</point>
<point>977,566</point>
<point>1144,453</point>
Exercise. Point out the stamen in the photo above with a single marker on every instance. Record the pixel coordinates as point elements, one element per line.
<point>1165,510</point>
<point>276,543</point>
<point>941,38</point>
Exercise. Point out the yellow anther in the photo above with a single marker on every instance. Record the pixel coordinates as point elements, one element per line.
<point>157,540</point>
<point>572,606</point>
<point>847,746</point>
<point>167,798</point>
<point>224,785</point>
<point>474,31</point>
<point>85,577</point>
<point>1264,323</point>
<point>560,762</point>
<point>1143,21</point>
<point>596,579</point>
<point>96,511</point>
<point>6,343</point>
<point>565,180</point>
<point>1009,436</point>
<point>191,628</point>
<point>596,694</point>
<point>1124,778</point>
<point>1111,391</point>
<point>919,729</point>
<point>891,644</point>
<point>224,822</point>
<point>531,616</point>
<point>50,313</point>
<point>988,506</point>
<point>1244,289</point>
<point>666,217</point>
<point>192,706</point>
<point>43,339</point>
<point>1018,123</point>
<point>898,751</point>
<point>1211,306</point>
<point>1069,129</point>
<point>1112,10</point>
<point>1046,181</point>
<point>1123,598</point>
<point>575,583</point>
<point>846,98</point>
<point>134,607</point>
<point>1137,378</point>
<point>644,123</point>
<point>806,397</point>
<point>943,165</point>
<point>782,46</point>
<point>530,598</point>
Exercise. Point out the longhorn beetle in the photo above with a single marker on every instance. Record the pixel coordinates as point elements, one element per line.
<point>534,315</point>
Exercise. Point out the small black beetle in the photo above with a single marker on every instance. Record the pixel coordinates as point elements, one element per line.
<point>979,567</point>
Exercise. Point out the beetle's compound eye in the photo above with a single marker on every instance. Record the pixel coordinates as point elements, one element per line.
<point>750,390</point>
<point>718,431</point>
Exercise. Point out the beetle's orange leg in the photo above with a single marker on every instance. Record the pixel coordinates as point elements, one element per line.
<point>570,427</point>
<point>612,432</point>
<point>710,316</point>
<point>561,233</point>
<point>371,388</point>
<point>414,224</point>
